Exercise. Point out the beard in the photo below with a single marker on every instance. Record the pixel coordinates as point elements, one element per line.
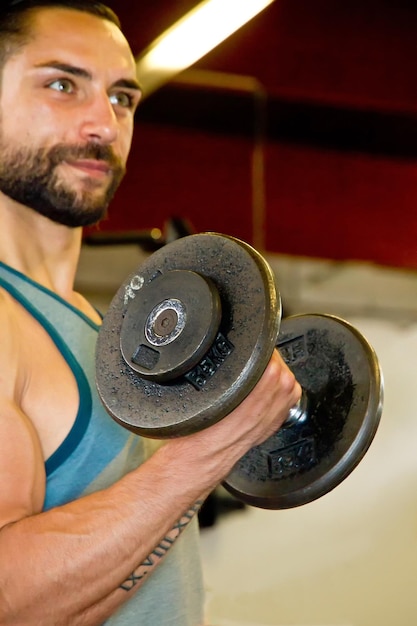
<point>29,177</point>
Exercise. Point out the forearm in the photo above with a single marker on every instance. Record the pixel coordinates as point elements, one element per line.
<point>78,563</point>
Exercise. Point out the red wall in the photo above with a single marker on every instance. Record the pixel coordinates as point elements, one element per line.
<point>175,172</point>
<point>318,203</point>
<point>323,203</point>
<point>342,206</point>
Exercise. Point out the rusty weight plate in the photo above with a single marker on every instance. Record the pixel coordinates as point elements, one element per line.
<point>341,408</point>
<point>245,312</point>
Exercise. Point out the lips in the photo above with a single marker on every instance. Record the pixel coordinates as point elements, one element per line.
<point>92,166</point>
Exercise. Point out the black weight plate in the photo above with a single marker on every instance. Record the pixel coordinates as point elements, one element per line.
<point>170,325</point>
<point>250,320</point>
<point>343,391</point>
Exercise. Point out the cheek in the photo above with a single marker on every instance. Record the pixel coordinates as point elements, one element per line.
<point>34,125</point>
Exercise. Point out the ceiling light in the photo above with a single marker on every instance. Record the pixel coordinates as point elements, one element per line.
<point>192,37</point>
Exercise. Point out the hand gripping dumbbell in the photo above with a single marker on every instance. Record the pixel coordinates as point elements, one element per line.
<point>189,334</point>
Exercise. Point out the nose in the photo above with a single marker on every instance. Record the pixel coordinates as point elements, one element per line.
<point>100,123</point>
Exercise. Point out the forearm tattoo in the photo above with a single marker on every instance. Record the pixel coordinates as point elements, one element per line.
<point>160,551</point>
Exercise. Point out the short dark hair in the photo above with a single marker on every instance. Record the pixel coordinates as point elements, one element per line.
<point>15,24</point>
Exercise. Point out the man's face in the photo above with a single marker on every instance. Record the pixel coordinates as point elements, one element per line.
<point>67,105</point>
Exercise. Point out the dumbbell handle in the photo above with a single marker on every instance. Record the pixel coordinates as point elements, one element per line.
<point>298,413</point>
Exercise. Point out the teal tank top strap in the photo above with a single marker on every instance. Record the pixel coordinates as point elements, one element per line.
<point>95,440</point>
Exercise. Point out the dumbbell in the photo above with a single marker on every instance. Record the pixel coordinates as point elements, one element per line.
<point>189,334</point>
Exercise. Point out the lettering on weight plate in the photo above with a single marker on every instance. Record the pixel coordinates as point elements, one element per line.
<point>285,462</point>
<point>293,350</point>
<point>214,359</point>
<point>161,550</point>
<point>132,288</point>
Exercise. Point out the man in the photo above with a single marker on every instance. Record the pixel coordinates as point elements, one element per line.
<point>93,529</point>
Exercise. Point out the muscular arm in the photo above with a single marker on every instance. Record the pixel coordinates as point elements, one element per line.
<point>77,563</point>
<point>77,560</point>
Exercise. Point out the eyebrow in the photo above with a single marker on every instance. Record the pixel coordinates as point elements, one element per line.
<point>126,83</point>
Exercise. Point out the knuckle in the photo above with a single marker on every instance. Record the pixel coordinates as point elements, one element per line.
<point>287,380</point>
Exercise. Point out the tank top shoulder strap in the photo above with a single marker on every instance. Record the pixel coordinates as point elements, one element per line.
<point>56,315</point>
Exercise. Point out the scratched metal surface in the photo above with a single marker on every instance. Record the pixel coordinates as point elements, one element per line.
<point>250,321</point>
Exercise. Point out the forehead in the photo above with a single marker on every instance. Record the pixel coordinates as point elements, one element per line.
<point>78,37</point>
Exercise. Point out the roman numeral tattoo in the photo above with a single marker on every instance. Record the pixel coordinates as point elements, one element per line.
<point>160,551</point>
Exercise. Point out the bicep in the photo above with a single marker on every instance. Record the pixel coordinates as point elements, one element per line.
<point>22,470</point>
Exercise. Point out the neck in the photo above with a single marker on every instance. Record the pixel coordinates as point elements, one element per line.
<point>39,248</point>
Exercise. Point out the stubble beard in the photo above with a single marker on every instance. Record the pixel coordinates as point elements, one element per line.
<point>29,176</point>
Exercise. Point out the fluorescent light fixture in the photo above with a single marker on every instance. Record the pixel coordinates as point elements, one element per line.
<point>192,37</point>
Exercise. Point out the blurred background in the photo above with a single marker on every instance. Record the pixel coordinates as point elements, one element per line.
<point>297,134</point>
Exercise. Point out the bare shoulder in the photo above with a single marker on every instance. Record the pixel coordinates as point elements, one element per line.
<point>21,463</point>
<point>9,338</point>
